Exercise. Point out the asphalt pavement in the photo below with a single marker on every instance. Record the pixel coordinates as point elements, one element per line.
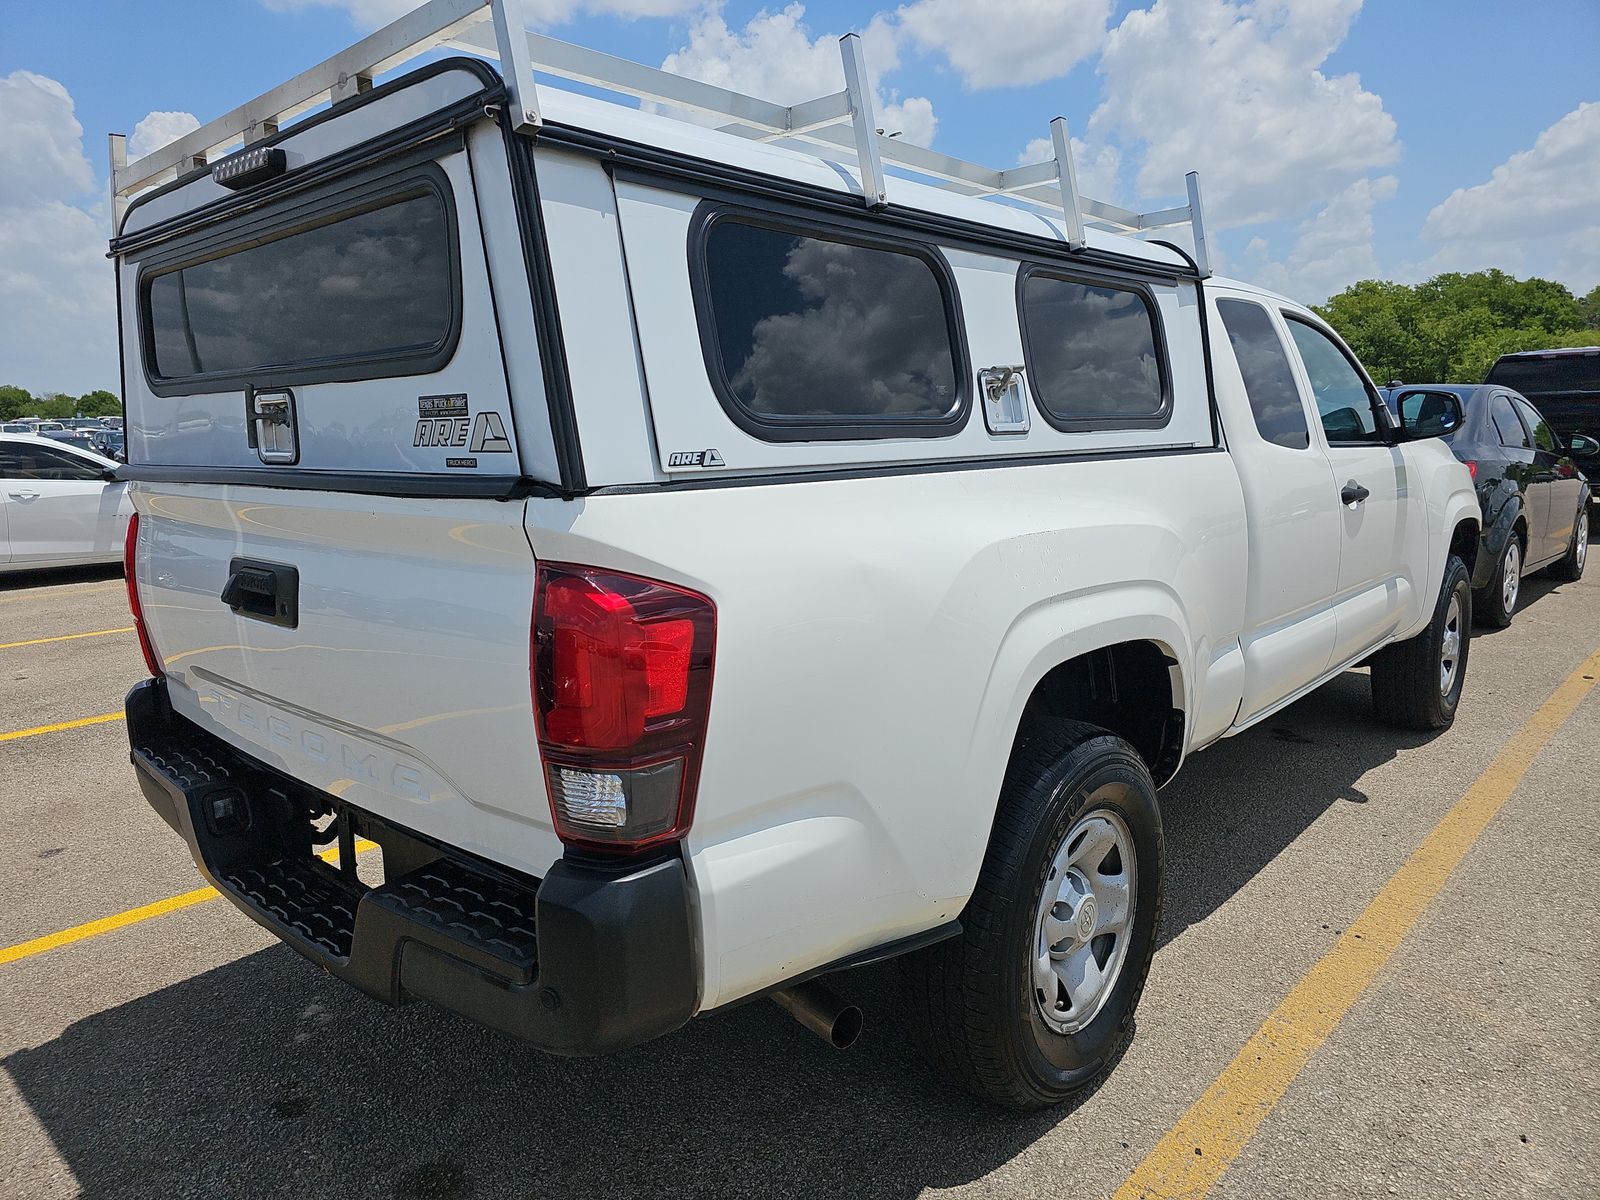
<point>188,1054</point>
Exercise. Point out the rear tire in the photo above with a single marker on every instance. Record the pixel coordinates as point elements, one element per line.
<point>1416,684</point>
<point>1496,603</point>
<point>1570,568</point>
<point>1077,815</point>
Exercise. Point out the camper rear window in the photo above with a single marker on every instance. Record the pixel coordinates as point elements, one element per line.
<point>353,288</point>
<point>815,337</point>
<point>1094,352</point>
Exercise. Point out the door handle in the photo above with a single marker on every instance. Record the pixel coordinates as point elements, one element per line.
<point>1353,493</point>
<point>24,495</point>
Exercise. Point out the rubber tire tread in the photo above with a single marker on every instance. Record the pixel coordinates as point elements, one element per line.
<point>1487,607</point>
<point>1566,568</point>
<point>1405,676</point>
<point>948,988</point>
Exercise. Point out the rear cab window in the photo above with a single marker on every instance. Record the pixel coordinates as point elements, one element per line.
<point>1507,425</point>
<point>1544,376</point>
<point>1280,416</point>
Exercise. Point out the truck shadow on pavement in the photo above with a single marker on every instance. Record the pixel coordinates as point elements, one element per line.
<point>265,1077</point>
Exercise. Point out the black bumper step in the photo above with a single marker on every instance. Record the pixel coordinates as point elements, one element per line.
<point>593,957</point>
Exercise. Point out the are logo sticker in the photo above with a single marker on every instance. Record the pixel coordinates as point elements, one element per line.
<point>695,458</point>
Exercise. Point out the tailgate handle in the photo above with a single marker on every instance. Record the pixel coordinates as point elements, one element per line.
<point>264,591</point>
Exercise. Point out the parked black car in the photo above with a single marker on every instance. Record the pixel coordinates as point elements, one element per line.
<point>1535,499</point>
<point>1565,385</point>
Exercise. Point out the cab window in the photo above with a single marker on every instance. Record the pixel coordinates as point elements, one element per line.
<point>1345,401</point>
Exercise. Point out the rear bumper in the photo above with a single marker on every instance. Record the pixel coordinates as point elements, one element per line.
<point>594,957</point>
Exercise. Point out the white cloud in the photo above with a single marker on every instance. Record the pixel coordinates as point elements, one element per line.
<point>775,57</point>
<point>1236,91</point>
<point>369,14</point>
<point>1098,169</point>
<point>1538,213</point>
<point>1008,43</point>
<point>41,142</point>
<point>157,130</point>
<point>1333,249</point>
<point>57,325</point>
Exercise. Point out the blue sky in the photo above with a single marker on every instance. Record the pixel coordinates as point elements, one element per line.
<point>1336,140</point>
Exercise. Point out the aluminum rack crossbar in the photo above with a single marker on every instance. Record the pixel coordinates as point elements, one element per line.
<point>845,121</point>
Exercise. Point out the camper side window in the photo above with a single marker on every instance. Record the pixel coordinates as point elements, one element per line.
<point>813,335</point>
<point>1094,351</point>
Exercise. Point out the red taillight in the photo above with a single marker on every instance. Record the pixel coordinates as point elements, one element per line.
<point>621,689</point>
<point>129,561</point>
<point>1471,466</point>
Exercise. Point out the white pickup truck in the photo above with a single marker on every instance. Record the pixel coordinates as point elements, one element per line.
<point>708,554</point>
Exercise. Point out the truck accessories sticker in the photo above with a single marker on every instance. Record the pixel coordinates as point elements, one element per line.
<point>695,458</point>
<point>444,421</point>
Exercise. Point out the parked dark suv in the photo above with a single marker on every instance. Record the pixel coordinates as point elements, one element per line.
<point>1534,497</point>
<point>1565,384</point>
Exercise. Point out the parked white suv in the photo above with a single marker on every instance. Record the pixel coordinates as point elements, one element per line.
<point>703,564</point>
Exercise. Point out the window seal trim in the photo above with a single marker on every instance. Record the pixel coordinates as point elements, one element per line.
<point>784,218</point>
<point>348,196</point>
<point>1118,282</point>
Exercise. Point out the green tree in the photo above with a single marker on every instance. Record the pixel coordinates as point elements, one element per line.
<point>1589,308</point>
<point>99,403</point>
<point>55,406</point>
<point>14,402</point>
<point>1452,327</point>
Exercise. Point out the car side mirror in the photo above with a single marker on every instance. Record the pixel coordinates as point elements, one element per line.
<point>1583,446</point>
<point>1428,414</point>
<point>109,475</point>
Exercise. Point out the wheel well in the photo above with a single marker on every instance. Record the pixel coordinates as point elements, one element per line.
<point>1130,689</point>
<point>1464,543</point>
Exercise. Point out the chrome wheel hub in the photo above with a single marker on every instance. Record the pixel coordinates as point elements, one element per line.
<point>1582,536</point>
<point>1450,646</point>
<point>1511,576</point>
<point>1084,921</point>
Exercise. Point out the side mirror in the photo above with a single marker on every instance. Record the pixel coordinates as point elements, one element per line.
<point>109,475</point>
<point>1581,445</point>
<point>1428,414</point>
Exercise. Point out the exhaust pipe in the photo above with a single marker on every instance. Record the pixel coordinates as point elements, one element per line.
<point>822,1011</point>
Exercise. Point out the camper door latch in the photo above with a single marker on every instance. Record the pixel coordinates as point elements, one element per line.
<point>271,427</point>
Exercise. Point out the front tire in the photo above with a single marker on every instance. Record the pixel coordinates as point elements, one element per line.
<point>1034,1001</point>
<point>1570,568</point>
<point>1416,684</point>
<point>1495,604</point>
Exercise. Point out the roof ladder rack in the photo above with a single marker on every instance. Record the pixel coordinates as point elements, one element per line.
<point>840,126</point>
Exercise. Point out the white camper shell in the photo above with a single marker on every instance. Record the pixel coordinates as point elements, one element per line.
<point>712,544</point>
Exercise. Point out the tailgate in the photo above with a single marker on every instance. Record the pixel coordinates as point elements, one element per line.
<point>404,689</point>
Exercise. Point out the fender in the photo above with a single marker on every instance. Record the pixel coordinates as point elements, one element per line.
<point>1040,639</point>
<point>1451,498</point>
<point>1495,534</point>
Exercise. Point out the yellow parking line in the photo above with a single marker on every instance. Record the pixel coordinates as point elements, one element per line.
<point>1195,1152</point>
<point>133,916</point>
<point>65,637</point>
<point>78,724</point>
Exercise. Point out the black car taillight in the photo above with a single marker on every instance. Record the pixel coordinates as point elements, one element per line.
<point>622,690</point>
